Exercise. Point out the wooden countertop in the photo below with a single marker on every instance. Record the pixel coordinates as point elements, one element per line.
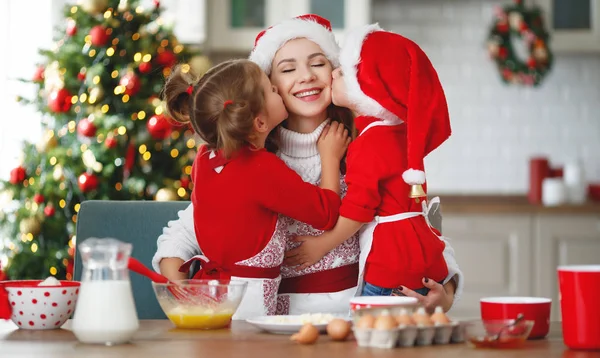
<point>507,204</point>
<point>158,338</point>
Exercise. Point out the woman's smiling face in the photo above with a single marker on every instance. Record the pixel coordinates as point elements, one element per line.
<point>302,75</point>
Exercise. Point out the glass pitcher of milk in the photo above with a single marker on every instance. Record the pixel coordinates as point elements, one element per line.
<point>105,312</point>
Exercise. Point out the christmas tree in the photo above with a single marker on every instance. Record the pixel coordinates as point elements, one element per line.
<point>105,133</point>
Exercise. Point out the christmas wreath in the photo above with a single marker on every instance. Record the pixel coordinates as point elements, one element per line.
<point>522,24</point>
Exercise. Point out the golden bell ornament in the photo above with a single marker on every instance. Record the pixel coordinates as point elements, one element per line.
<point>166,194</point>
<point>416,191</point>
<point>30,226</point>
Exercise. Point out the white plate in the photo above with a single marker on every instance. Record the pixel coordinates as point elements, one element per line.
<point>286,324</point>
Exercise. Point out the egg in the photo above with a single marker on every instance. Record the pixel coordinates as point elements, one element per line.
<point>421,317</point>
<point>366,321</point>
<point>403,318</point>
<point>308,334</point>
<point>385,322</point>
<point>439,317</point>
<point>338,329</point>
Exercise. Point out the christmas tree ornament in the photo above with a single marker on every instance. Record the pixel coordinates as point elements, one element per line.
<point>30,226</point>
<point>46,142</point>
<point>59,101</point>
<point>49,211</point>
<point>185,182</point>
<point>86,128</point>
<point>17,175</point>
<point>159,127</point>
<point>38,75</point>
<point>99,35</point>
<point>131,82</point>
<point>58,173</point>
<point>53,78</point>
<point>71,27</point>
<point>166,194</point>
<point>166,58</point>
<point>87,182</point>
<point>200,65</point>
<point>515,22</point>
<point>110,142</point>
<point>96,94</point>
<point>93,7</point>
<point>38,198</point>
<point>145,67</point>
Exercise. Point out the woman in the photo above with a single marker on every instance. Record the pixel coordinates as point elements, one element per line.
<point>299,56</point>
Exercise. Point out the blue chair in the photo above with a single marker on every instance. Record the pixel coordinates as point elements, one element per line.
<point>136,222</point>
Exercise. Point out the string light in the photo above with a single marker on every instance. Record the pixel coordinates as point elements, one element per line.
<point>188,170</point>
<point>191,143</point>
<point>137,57</point>
<point>158,110</point>
<point>108,14</point>
<point>74,99</point>
<point>114,74</point>
<point>74,218</point>
<point>73,9</point>
<point>141,115</point>
<point>174,153</point>
<point>104,108</point>
<point>122,53</point>
<point>181,192</point>
<point>92,53</point>
<point>77,109</point>
<point>53,270</point>
<point>135,36</point>
<point>65,262</point>
<point>118,186</point>
<point>147,57</point>
<point>164,43</point>
<point>110,51</point>
<point>115,42</point>
<point>76,207</point>
<point>125,98</point>
<point>38,170</point>
<point>133,116</point>
<point>178,48</point>
<point>83,97</point>
<point>175,135</point>
<point>146,156</point>
<point>62,203</point>
<point>34,248</point>
<point>122,130</point>
<point>100,138</point>
<point>31,181</point>
<point>83,148</point>
<point>53,161</point>
<point>142,149</point>
<point>29,237</point>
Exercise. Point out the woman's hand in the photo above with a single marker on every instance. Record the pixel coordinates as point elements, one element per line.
<point>309,252</point>
<point>333,142</point>
<point>439,295</point>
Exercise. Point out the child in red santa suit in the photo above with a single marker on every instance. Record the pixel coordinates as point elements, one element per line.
<point>402,115</point>
<point>240,189</point>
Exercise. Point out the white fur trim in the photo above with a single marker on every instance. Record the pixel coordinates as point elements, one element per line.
<point>349,60</point>
<point>276,36</point>
<point>413,176</point>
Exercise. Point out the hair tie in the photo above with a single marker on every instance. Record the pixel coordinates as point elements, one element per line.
<point>190,89</point>
<point>226,103</point>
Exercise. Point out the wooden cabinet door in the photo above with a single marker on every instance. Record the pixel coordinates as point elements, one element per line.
<point>494,252</point>
<point>563,240</point>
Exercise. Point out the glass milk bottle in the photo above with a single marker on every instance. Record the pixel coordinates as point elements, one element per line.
<point>105,312</point>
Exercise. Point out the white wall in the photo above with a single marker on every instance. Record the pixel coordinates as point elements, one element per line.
<point>18,60</point>
<point>496,128</point>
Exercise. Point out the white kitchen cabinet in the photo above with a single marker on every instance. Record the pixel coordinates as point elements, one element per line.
<point>188,18</point>
<point>574,25</point>
<point>563,240</point>
<point>232,25</point>
<point>494,252</point>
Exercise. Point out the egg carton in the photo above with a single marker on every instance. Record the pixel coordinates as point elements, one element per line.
<point>409,336</point>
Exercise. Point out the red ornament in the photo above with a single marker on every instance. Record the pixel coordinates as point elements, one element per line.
<point>99,35</point>
<point>38,75</point>
<point>531,63</point>
<point>81,76</point>
<point>110,142</point>
<point>38,198</point>
<point>60,101</point>
<point>49,211</point>
<point>159,127</point>
<point>145,67</point>
<point>86,128</point>
<point>71,28</point>
<point>132,83</point>
<point>87,182</point>
<point>523,26</point>
<point>502,52</point>
<point>502,27</point>
<point>506,73</point>
<point>17,175</point>
<point>166,58</point>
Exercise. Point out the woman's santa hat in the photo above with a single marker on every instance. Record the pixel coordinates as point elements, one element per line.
<point>388,76</point>
<point>312,27</point>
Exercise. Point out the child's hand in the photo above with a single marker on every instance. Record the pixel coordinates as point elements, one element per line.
<point>333,141</point>
<point>310,251</point>
<point>439,295</point>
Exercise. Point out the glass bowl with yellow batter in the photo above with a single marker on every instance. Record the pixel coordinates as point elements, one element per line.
<point>200,304</point>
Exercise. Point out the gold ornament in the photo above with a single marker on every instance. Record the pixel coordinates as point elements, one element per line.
<point>30,226</point>
<point>93,7</point>
<point>166,194</point>
<point>200,65</point>
<point>47,142</point>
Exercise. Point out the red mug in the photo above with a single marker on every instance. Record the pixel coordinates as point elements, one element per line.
<point>535,309</point>
<point>579,289</point>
